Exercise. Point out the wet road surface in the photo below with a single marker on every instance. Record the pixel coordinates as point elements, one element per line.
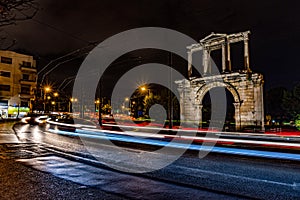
<point>216,176</point>
<point>58,155</point>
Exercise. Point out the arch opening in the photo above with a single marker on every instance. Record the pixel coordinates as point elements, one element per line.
<point>230,120</point>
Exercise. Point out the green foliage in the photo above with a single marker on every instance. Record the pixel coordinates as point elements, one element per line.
<point>297,121</point>
<point>296,91</point>
<point>106,109</point>
<point>273,102</point>
<point>291,102</point>
<point>150,100</point>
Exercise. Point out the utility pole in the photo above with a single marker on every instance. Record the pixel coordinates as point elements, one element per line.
<point>170,93</point>
<point>100,103</point>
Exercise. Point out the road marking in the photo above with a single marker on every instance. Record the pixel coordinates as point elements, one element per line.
<point>193,170</point>
<point>8,138</point>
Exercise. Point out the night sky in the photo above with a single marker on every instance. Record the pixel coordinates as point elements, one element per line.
<point>62,26</point>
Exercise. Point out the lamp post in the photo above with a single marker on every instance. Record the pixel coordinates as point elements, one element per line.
<point>70,103</point>
<point>143,90</point>
<point>47,89</point>
<point>124,105</point>
<point>53,104</point>
<point>97,103</point>
<point>55,94</point>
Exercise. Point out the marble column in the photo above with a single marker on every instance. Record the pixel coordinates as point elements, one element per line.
<point>205,61</point>
<point>246,55</point>
<point>237,115</point>
<point>223,58</point>
<point>190,61</point>
<point>228,57</point>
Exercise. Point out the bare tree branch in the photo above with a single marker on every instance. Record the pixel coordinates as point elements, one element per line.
<point>12,11</point>
<point>6,42</point>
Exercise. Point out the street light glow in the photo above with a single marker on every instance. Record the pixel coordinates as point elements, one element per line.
<point>47,89</point>
<point>73,99</point>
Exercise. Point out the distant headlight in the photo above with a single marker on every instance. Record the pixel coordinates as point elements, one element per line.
<point>41,119</point>
<point>25,120</point>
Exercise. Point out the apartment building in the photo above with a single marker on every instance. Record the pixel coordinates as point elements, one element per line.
<point>18,80</point>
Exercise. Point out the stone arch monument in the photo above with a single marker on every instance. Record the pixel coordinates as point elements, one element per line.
<point>245,86</point>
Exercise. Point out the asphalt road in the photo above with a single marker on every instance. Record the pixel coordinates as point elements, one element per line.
<point>216,176</point>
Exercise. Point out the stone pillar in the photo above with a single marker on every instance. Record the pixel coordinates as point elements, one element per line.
<point>246,54</point>
<point>180,89</point>
<point>223,58</point>
<point>228,56</point>
<point>190,61</point>
<point>209,60</point>
<point>237,116</point>
<point>262,108</point>
<point>198,113</point>
<point>205,61</point>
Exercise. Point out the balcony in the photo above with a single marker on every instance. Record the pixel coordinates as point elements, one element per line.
<point>27,82</point>
<point>25,95</point>
<point>26,68</point>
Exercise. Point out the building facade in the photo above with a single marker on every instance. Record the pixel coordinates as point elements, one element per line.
<point>18,81</point>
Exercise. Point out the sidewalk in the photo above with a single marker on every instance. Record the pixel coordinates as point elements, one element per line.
<point>18,181</point>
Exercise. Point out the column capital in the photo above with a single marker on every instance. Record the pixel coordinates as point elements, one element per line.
<point>237,105</point>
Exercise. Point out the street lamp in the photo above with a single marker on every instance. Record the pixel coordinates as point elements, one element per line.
<point>47,89</point>
<point>55,94</point>
<point>124,108</point>
<point>97,102</point>
<point>53,104</point>
<point>70,102</point>
<point>146,100</point>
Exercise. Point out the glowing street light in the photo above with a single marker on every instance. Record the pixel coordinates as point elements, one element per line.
<point>71,101</point>
<point>124,107</point>
<point>47,89</point>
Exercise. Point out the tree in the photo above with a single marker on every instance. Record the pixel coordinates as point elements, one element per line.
<point>291,102</point>
<point>296,91</point>
<point>12,11</point>
<point>273,103</point>
<point>150,100</point>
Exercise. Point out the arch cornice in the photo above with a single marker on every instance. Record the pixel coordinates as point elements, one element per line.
<point>206,87</point>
